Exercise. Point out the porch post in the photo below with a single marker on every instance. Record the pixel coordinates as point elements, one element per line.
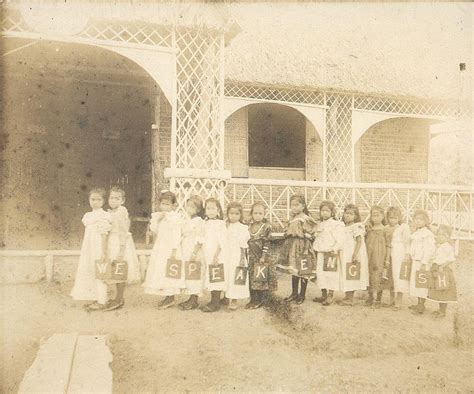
<point>338,146</point>
<point>156,167</point>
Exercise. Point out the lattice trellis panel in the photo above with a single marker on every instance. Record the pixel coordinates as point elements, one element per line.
<point>134,33</point>
<point>12,21</point>
<point>199,138</point>
<point>399,106</point>
<point>339,139</point>
<point>125,32</point>
<point>187,187</point>
<point>274,94</point>
<point>361,102</point>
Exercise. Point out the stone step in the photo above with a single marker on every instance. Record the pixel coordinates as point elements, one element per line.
<point>70,363</point>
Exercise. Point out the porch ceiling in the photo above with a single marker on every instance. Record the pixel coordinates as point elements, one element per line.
<point>46,59</point>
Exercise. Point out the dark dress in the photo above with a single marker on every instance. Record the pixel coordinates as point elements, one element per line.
<point>376,242</point>
<point>298,244</point>
<point>258,243</point>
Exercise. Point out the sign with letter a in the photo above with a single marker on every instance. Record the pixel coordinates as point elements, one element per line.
<point>422,279</point>
<point>240,277</point>
<point>353,270</point>
<point>173,267</point>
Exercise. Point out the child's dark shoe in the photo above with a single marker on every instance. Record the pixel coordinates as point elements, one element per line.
<point>233,305</point>
<point>376,304</point>
<point>346,302</point>
<point>168,302</point>
<point>250,305</point>
<point>419,310</point>
<point>327,301</point>
<point>183,305</point>
<point>438,314</point>
<point>95,306</point>
<point>291,298</point>
<point>299,300</point>
<point>319,299</point>
<point>257,305</point>
<point>113,305</point>
<point>224,301</point>
<point>413,307</point>
<point>210,308</point>
<point>190,306</point>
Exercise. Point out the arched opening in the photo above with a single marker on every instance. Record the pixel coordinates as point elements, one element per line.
<point>272,141</point>
<point>395,150</point>
<point>75,117</point>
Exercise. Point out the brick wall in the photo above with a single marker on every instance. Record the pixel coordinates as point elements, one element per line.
<point>314,154</point>
<point>395,150</point>
<point>164,138</point>
<point>236,147</point>
<point>236,158</point>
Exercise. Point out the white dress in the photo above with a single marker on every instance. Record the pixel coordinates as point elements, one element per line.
<point>121,222</point>
<point>215,235</point>
<point>192,234</point>
<point>400,248</point>
<point>168,238</point>
<point>237,237</point>
<point>351,233</point>
<point>422,249</point>
<point>330,236</point>
<point>86,286</point>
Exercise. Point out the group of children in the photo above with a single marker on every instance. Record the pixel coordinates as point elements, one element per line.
<point>207,250</point>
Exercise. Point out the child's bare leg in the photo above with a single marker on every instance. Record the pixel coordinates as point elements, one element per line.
<point>398,300</point>
<point>120,291</point>
<point>442,308</point>
<point>379,296</point>
<point>295,280</point>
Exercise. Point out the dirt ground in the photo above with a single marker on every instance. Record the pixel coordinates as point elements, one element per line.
<point>302,348</point>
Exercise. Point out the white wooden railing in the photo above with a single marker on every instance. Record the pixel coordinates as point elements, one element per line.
<point>446,204</point>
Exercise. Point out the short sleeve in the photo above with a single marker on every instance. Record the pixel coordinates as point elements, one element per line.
<point>154,221</point>
<point>123,219</point>
<point>245,237</point>
<point>339,233</point>
<point>267,231</point>
<point>358,229</point>
<point>449,254</point>
<point>87,219</point>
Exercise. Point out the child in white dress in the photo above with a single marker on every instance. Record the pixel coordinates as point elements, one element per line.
<point>215,245</point>
<point>398,250</point>
<point>120,245</point>
<point>97,224</point>
<point>355,269</point>
<point>166,224</point>
<point>237,262</point>
<point>422,250</point>
<point>328,244</point>
<point>193,255</point>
